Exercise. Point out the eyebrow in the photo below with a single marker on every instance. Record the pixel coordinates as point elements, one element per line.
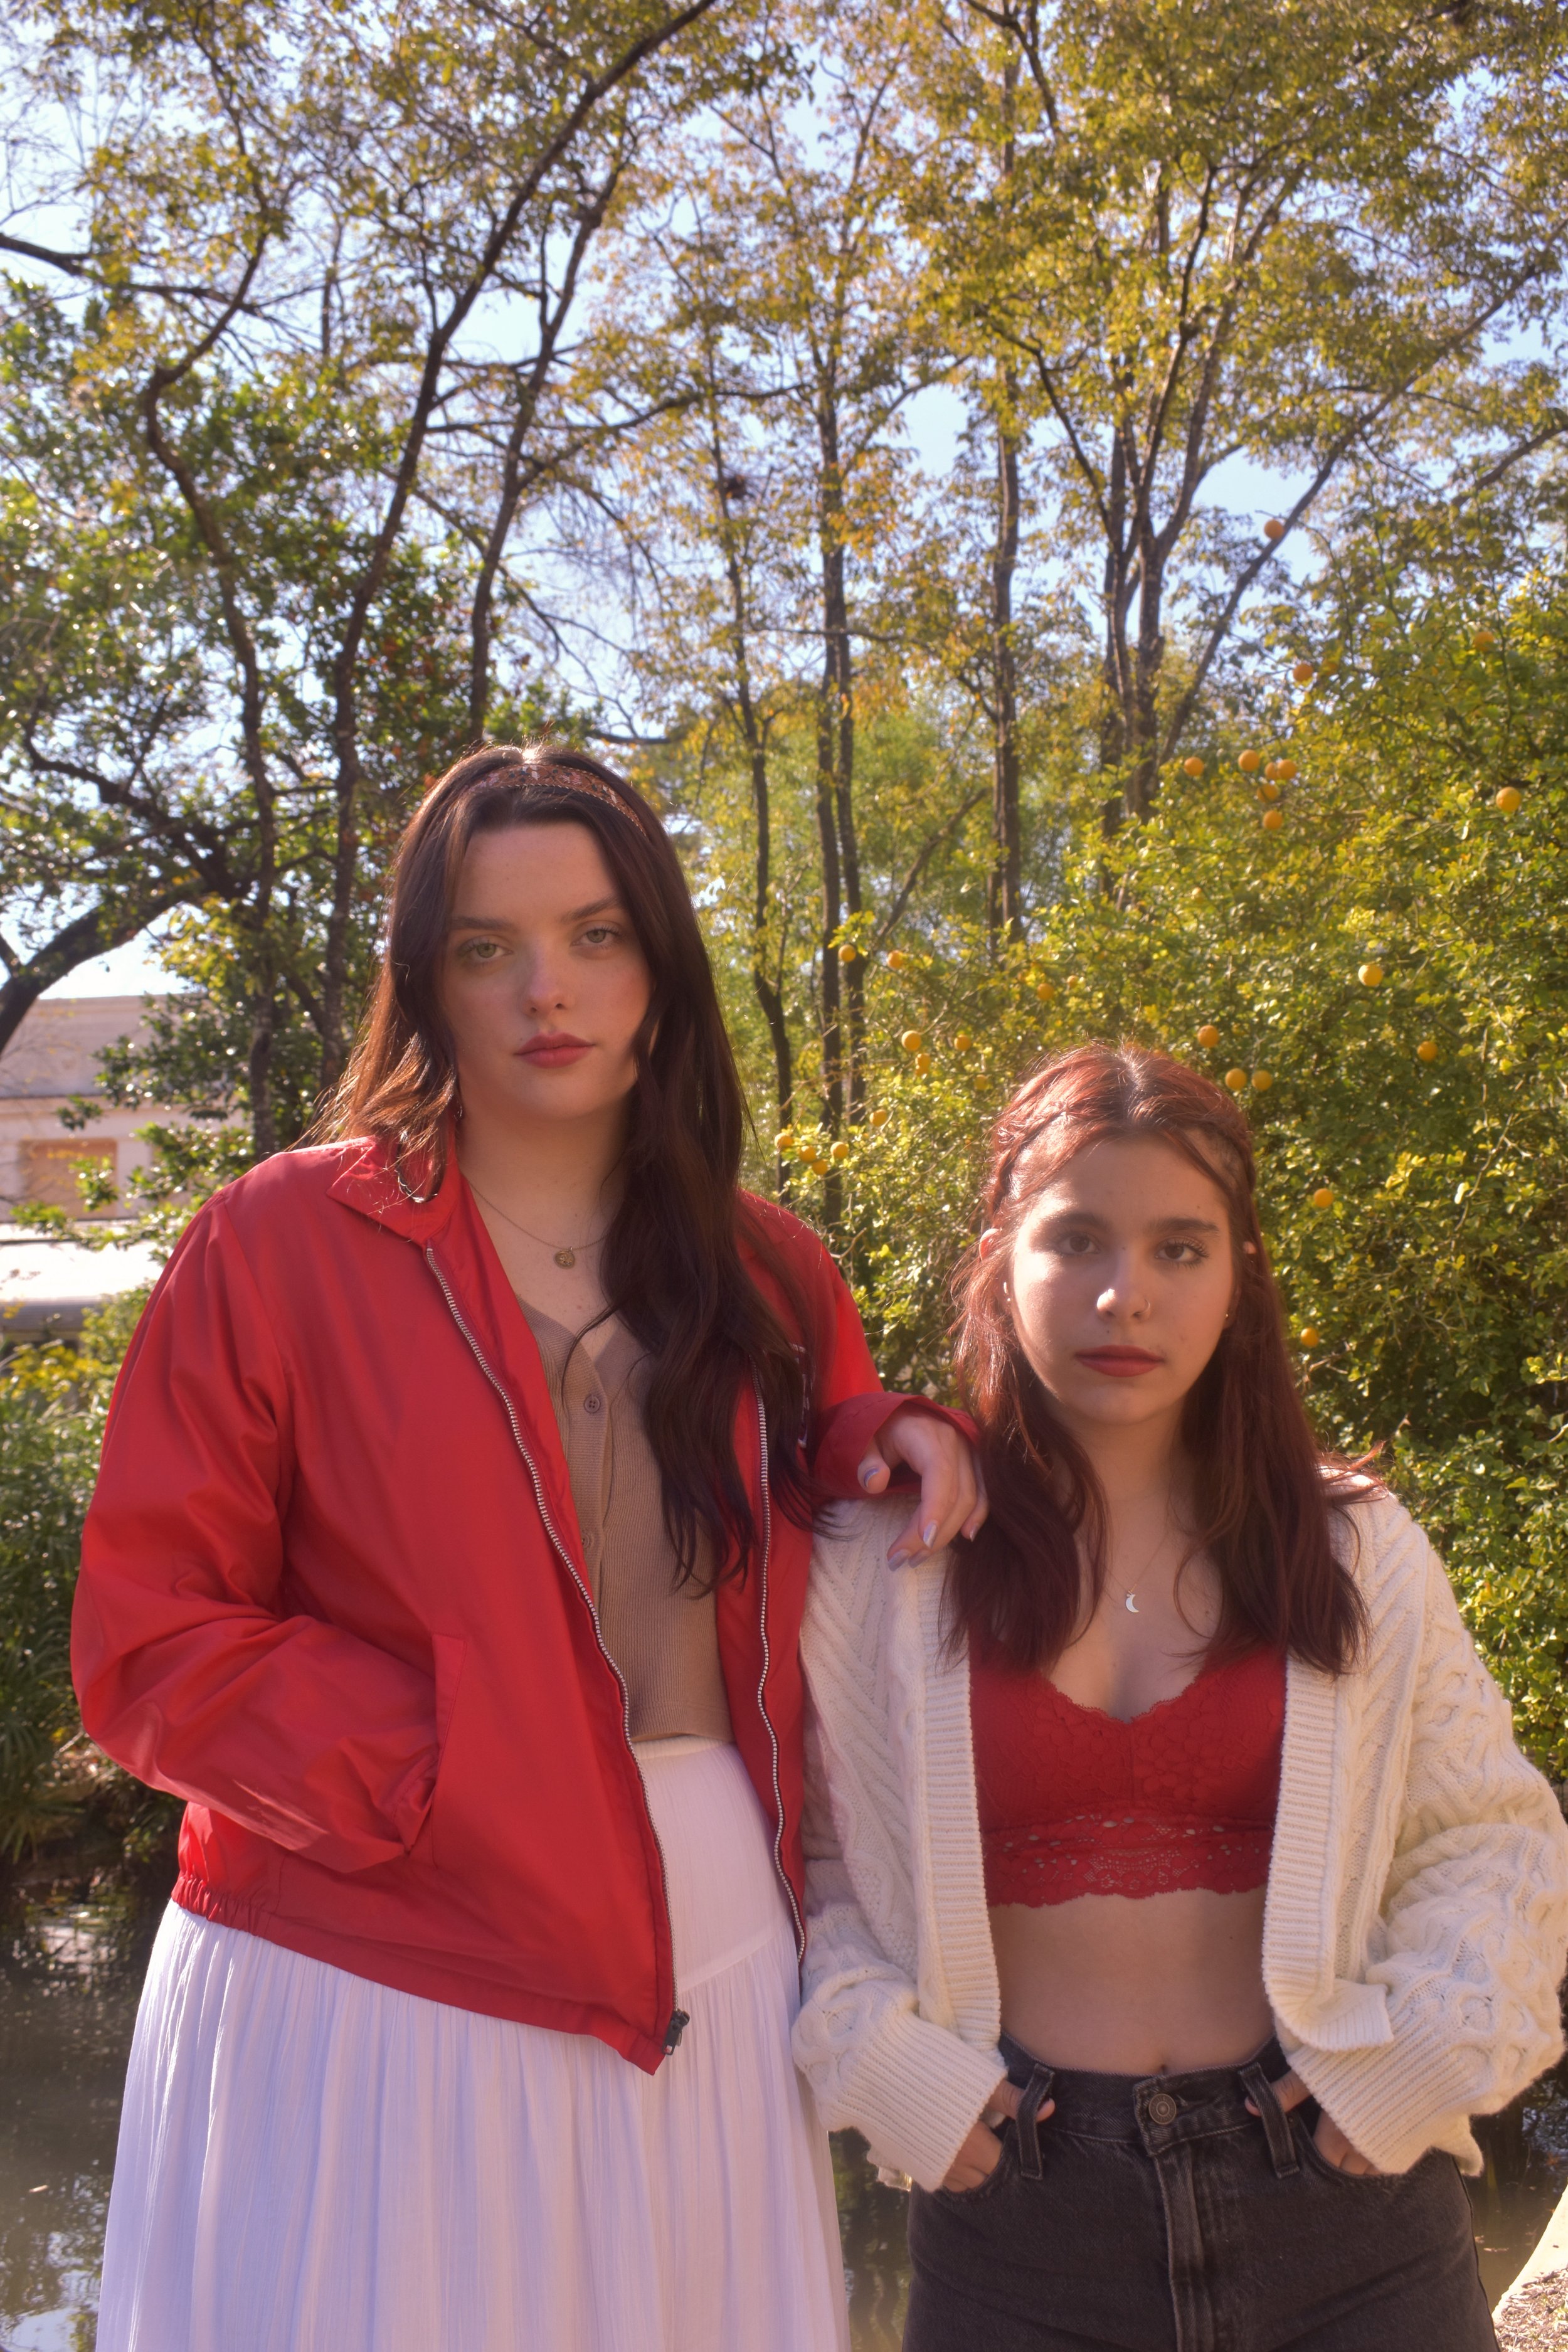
<point>504,922</point>
<point>1159,1226</point>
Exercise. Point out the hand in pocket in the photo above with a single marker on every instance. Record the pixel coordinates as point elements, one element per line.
<point>1327,2139</point>
<point>981,2153</point>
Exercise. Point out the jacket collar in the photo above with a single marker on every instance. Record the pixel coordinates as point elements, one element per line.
<point>371,1182</point>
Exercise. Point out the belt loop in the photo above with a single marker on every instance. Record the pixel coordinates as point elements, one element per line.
<point>1275,2127</point>
<point>1028,2121</point>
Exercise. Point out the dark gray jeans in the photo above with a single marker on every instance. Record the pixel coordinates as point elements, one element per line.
<point>1156,2215</point>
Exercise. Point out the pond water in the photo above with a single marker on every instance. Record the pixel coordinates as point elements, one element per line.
<point>70,1969</point>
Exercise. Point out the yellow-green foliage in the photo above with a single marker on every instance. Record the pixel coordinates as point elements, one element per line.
<point>1434,1282</point>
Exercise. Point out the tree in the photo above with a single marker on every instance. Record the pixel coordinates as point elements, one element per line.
<point>788,310</point>
<point>1197,237</point>
<point>1380,975</point>
<point>311,340</point>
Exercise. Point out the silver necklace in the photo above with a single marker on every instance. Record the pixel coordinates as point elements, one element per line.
<point>1129,1594</point>
<point>565,1251</point>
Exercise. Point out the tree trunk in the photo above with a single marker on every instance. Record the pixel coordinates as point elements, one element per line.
<point>832,917</point>
<point>1143,743</point>
<point>768,996</point>
<point>836,739</point>
<point>1005,897</point>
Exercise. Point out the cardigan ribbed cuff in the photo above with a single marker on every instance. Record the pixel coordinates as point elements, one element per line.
<point>916,2092</point>
<point>1395,2103</point>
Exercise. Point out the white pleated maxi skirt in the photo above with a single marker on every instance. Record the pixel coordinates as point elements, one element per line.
<point>309,2162</point>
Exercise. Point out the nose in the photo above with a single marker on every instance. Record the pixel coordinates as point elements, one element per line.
<point>546,987</point>
<point>1122,1298</point>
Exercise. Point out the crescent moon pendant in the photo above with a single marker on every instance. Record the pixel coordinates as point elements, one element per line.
<point>1133,1605</point>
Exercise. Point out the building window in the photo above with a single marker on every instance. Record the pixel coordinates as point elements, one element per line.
<point>49,1171</point>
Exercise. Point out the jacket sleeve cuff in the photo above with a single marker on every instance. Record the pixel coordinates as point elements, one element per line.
<point>916,2092</point>
<point>845,1429</point>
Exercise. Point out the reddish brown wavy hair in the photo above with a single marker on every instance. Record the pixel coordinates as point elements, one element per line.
<point>673,1266</point>
<point>1266,1496</point>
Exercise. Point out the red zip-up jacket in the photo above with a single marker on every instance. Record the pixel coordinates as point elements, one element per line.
<point>334,1594</point>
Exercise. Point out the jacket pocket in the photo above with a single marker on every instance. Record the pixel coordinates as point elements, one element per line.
<point>451,1655</point>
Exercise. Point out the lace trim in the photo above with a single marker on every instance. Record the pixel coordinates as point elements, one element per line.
<point>1123,1854</point>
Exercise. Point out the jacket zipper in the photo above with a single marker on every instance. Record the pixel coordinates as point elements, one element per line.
<point>679,2020</point>
<point>762,1682</point>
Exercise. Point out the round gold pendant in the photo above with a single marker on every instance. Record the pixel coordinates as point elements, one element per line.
<point>565,1258</point>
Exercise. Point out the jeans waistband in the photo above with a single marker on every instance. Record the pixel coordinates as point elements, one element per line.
<point>1121,2106</point>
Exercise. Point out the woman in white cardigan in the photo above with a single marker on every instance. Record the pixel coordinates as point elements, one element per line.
<point>1176,1892</point>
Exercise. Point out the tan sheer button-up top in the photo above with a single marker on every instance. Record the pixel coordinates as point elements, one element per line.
<point>663,1636</point>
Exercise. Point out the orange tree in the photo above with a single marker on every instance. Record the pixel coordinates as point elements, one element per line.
<point>1354,916</point>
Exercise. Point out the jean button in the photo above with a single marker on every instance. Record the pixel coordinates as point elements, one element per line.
<point>1162,2108</point>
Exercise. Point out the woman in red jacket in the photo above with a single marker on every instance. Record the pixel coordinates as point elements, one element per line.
<point>449,1558</point>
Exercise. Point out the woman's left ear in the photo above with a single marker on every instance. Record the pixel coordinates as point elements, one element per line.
<point>988,1241</point>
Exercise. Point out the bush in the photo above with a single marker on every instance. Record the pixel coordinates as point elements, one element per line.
<point>1386,976</point>
<point>55,1785</point>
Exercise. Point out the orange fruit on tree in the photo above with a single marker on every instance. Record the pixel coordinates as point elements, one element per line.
<point>878,1119</point>
<point>1262,1080</point>
<point>1483,640</point>
<point>1310,1338</point>
<point>1044,991</point>
<point>840,1149</point>
<point>897,959</point>
<point>1273,820</point>
<point>1208,1036</point>
<point>848,951</point>
<point>1323,1198</point>
<point>1193,767</point>
<point>1370,975</point>
<point>1236,1081</point>
<point>1273,529</point>
<point>963,1040</point>
<point>912,1041</point>
<point>1511,800</point>
<point>1428,1050</point>
<point>922,1064</point>
<point>1266,792</point>
<point>1287,770</point>
<point>1249,762</point>
<point>1304,673</point>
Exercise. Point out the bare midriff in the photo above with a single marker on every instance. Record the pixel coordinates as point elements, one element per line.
<point>1157,1984</point>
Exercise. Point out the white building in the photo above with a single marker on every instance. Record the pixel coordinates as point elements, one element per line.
<point>53,1058</point>
<point>47,1284</point>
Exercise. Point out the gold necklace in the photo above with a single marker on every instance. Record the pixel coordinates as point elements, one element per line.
<point>565,1251</point>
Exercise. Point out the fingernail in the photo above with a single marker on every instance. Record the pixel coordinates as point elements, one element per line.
<point>866,1474</point>
<point>968,1529</point>
<point>928,1535</point>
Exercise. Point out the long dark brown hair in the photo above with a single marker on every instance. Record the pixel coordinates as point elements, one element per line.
<point>672,1268</point>
<point>1264,1494</point>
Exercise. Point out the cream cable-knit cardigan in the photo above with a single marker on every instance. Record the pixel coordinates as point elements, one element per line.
<point>1417,1915</point>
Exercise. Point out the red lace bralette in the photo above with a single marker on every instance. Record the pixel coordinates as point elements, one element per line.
<point>1073,1801</point>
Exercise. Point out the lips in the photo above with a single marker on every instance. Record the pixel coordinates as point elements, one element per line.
<point>1120,1363</point>
<point>553,1049</point>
